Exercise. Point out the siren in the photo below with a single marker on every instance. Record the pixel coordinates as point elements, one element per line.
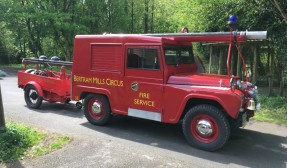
<point>231,20</point>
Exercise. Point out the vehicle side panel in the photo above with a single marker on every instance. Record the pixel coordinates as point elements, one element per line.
<point>97,68</point>
<point>173,108</point>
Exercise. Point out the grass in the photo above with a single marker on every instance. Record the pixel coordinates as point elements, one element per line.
<point>16,66</point>
<point>20,141</point>
<point>273,109</point>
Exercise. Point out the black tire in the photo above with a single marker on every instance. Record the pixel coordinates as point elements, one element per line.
<point>97,109</point>
<point>234,125</point>
<point>32,98</point>
<point>206,127</point>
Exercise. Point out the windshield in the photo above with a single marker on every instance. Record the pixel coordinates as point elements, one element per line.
<point>175,55</point>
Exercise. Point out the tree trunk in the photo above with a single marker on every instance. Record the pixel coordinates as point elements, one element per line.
<point>146,17</point>
<point>2,118</point>
<point>68,54</point>
<point>280,9</point>
<point>110,26</point>
<point>281,87</point>
<point>152,17</point>
<point>32,38</point>
<point>38,44</point>
<point>254,78</point>
<point>270,76</point>
<point>132,15</point>
<point>24,49</point>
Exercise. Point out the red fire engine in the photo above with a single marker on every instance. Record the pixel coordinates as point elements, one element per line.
<point>150,76</point>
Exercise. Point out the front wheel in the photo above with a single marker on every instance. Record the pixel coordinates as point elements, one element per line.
<point>97,109</point>
<point>32,98</point>
<point>206,127</point>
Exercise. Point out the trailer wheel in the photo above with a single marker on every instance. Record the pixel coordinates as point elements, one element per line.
<point>97,109</point>
<point>206,127</point>
<point>32,98</point>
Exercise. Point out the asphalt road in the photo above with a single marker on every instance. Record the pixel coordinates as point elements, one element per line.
<point>131,142</point>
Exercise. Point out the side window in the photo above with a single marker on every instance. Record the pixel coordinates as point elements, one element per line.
<point>142,58</point>
<point>171,57</point>
<point>186,56</point>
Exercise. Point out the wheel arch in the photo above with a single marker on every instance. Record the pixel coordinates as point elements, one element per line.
<point>194,101</point>
<point>105,94</point>
<point>37,86</point>
<point>85,94</point>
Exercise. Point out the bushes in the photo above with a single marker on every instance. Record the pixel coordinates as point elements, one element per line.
<point>273,102</point>
<point>273,109</point>
<point>16,140</point>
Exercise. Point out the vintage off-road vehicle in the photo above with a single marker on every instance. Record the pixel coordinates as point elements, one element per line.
<point>151,76</point>
<point>155,77</point>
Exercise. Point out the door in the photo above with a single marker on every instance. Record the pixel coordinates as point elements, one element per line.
<point>144,82</point>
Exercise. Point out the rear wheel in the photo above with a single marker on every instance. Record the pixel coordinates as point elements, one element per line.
<point>32,98</point>
<point>97,109</point>
<point>206,127</point>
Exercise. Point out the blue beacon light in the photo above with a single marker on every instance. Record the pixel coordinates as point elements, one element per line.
<point>232,20</point>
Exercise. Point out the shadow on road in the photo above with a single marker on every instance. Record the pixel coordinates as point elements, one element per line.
<point>14,164</point>
<point>69,109</point>
<point>246,147</point>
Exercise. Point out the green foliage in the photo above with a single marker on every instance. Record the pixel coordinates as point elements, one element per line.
<point>30,28</point>
<point>16,140</point>
<point>271,103</point>
<point>57,144</point>
<point>274,109</point>
<point>20,141</point>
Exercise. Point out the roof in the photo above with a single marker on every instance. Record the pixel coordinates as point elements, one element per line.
<point>176,37</point>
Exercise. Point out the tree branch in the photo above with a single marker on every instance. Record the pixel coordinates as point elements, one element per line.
<point>280,10</point>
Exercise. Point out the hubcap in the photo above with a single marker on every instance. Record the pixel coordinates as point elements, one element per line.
<point>204,128</point>
<point>33,95</point>
<point>96,108</point>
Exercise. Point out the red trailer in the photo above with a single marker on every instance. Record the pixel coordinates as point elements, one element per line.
<point>42,83</point>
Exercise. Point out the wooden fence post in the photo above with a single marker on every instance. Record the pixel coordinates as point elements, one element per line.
<point>210,59</point>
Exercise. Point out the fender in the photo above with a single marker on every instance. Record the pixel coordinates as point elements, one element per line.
<point>86,89</point>
<point>232,112</point>
<point>82,89</point>
<point>37,86</point>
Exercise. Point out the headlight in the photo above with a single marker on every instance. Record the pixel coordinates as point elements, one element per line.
<point>241,85</point>
<point>233,82</point>
<point>254,93</point>
<point>251,93</point>
<point>256,89</point>
<point>242,103</point>
<point>242,100</point>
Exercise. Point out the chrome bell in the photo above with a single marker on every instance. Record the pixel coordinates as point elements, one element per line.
<point>251,105</point>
